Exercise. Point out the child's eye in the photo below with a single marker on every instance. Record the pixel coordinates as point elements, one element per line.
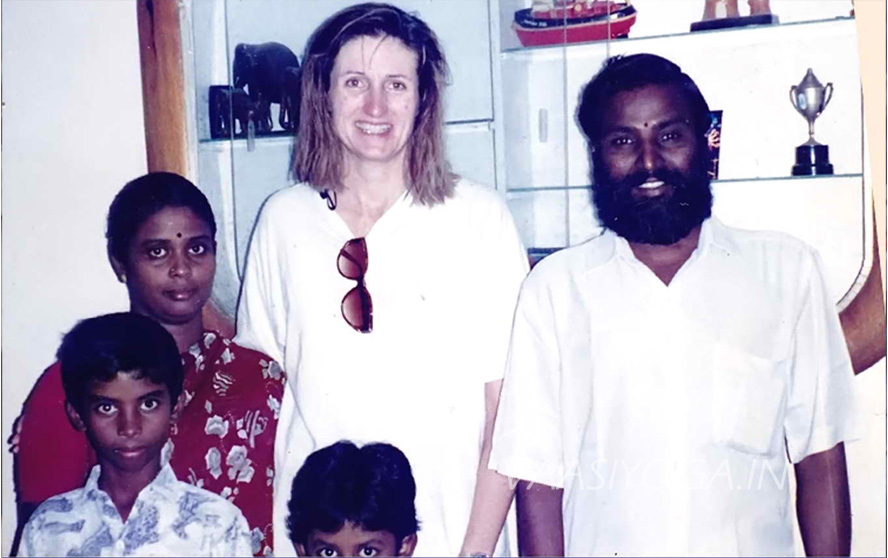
<point>105,409</point>
<point>369,551</point>
<point>326,552</point>
<point>150,404</point>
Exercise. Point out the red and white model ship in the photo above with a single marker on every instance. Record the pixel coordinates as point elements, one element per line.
<point>549,22</point>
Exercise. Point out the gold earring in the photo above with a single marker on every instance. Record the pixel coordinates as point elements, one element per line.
<point>122,278</point>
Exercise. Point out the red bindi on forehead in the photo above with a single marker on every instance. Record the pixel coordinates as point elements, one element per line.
<point>178,235</point>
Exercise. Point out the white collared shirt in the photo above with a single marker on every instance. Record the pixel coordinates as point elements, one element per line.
<point>443,282</point>
<point>667,412</point>
<point>169,518</point>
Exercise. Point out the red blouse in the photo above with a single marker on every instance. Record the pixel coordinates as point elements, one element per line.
<point>223,441</point>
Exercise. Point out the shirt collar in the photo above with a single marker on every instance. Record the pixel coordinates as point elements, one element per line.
<point>164,479</point>
<point>713,234</point>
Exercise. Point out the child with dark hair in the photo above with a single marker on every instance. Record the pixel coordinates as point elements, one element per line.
<point>122,376</point>
<point>350,501</point>
<point>161,245</point>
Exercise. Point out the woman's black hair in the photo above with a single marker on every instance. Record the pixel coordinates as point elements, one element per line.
<point>627,73</point>
<point>371,487</point>
<point>96,349</point>
<point>143,197</point>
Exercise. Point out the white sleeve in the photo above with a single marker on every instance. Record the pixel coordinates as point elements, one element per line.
<point>527,439</point>
<point>500,269</point>
<point>821,410</point>
<point>262,311</point>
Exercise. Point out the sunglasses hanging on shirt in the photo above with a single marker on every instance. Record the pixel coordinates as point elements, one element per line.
<point>357,306</point>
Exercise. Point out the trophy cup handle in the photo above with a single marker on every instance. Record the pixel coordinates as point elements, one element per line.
<point>792,96</point>
<point>828,91</point>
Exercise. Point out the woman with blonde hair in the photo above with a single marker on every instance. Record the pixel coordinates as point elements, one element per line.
<point>384,283</point>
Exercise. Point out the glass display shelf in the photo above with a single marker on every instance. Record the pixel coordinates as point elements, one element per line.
<point>744,73</point>
<point>749,34</point>
<point>559,188</point>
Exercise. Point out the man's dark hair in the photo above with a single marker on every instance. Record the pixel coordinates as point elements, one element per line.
<point>371,487</point>
<point>143,197</point>
<point>96,349</point>
<point>627,73</point>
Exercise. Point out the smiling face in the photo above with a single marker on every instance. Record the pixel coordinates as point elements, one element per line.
<point>170,266</point>
<point>374,95</point>
<point>650,180</point>
<point>352,540</point>
<point>127,420</point>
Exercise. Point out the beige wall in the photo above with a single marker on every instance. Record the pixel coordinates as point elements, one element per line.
<point>72,135</point>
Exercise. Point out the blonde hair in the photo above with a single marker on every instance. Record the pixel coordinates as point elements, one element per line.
<point>318,157</point>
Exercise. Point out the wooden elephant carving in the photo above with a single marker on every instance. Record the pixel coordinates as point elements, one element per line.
<point>269,72</point>
<point>232,110</point>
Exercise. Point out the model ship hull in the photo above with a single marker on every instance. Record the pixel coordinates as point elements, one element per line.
<point>537,31</point>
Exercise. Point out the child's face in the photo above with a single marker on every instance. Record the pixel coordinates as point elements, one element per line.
<point>352,540</point>
<point>127,420</point>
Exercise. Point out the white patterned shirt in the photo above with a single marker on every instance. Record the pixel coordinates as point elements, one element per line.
<point>169,518</point>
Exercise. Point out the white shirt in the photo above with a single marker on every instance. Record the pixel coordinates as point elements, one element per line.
<point>666,412</point>
<point>443,282</point>
<point>169,518</point>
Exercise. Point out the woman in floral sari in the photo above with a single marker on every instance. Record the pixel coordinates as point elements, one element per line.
<point>161,244</point>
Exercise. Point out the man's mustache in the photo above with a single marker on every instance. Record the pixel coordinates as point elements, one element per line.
<point>667,176</point>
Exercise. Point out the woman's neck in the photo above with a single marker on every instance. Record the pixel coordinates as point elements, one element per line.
<point>186,334</point>
<point>368,192</point>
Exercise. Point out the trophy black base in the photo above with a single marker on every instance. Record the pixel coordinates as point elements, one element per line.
<point>812,160</point>
<point>726,22</point>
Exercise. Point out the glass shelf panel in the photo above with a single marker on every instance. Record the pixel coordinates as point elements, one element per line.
<point>659,18</point>
<point>772,179</point>
<point>746,74</point>
<point>746,33</point>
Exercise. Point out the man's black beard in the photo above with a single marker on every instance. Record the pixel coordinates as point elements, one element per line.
<point>656,220</point>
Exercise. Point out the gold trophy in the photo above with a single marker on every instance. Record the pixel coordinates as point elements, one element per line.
<point>721,14</point>
<point>810,98</point>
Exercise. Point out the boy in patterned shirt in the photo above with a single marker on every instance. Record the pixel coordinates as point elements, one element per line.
<point>122,376</point>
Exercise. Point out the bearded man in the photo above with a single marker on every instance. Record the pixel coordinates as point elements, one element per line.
<point>664,375</point>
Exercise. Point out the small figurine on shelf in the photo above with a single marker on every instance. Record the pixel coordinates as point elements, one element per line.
<point>721,14</point>
<point>549,22</point>
<point>231,108</point>
<point>291,98</point>
<point>713,142</point>
<point>265,70</point>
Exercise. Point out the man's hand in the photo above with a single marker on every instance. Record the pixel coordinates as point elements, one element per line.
<point>540,523</point>
<point>823,503</point>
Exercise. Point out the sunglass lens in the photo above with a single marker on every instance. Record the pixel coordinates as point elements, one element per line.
<point>352,261</point>
<point>357,309</point>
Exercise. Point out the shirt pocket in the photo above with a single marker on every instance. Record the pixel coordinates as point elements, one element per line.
<point>748,400</point>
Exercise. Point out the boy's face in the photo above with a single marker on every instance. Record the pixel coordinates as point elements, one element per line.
<point>352,540</point>
<point>127,420</point>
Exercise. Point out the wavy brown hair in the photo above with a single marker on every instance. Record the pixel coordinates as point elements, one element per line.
<point>318,154</point>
